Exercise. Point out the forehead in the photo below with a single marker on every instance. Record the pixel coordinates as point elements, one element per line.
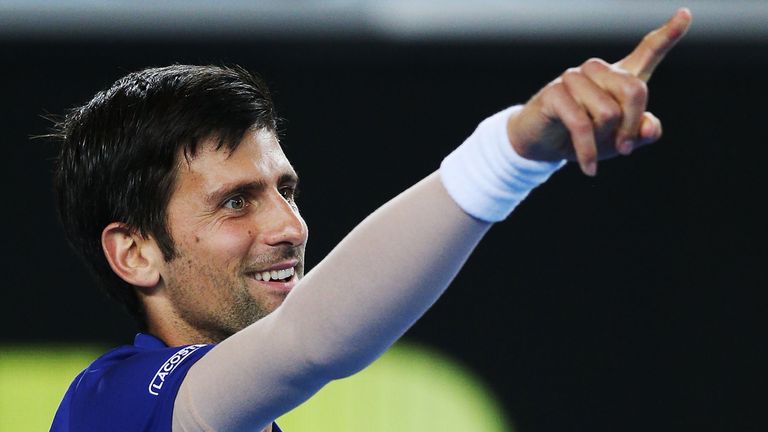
<point>258,157</point>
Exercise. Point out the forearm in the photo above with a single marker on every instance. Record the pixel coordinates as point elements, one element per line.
<point>380,279</point>
<point>353,305</point>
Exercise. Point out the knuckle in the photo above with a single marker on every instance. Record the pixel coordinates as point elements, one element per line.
<point>570,75</point>
<point>652,37</point>
<point>635,90</point>
<point>557,88</point>
<point>572,71</point>
<point>650,40</point>
<point>594,65</point>
<point>554,85</point>
<point>607,113</point>
<point>595,62</point>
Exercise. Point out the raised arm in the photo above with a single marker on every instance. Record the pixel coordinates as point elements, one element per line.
<point>393,266</point>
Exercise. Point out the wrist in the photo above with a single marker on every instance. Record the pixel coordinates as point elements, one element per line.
<point>486,176</point>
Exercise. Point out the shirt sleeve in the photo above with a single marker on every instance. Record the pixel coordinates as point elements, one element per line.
<point>128,391</point>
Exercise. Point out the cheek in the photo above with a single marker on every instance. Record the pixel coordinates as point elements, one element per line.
<point>232,239</point>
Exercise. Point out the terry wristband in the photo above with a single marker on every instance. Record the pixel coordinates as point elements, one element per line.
<point>486,177</point>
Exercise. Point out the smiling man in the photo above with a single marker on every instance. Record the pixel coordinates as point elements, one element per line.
<point>235,226</point>
<point>173,186</point>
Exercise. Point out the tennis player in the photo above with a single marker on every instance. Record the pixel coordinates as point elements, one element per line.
<point>173,187</point>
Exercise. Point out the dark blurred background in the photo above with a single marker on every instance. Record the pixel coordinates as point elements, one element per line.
<point>629,301</point>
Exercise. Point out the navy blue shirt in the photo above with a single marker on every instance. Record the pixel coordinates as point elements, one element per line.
<point>129,389</point>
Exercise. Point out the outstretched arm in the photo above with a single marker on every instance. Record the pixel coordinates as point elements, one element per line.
<point>393,266</point>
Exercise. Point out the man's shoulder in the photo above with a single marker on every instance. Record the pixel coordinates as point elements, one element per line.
<point>131,387</point>
<point>129,364</point>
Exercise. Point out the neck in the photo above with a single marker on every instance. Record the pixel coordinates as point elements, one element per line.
<point>164,322</point>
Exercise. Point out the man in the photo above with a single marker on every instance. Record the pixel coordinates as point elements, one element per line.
<point>173,186</point>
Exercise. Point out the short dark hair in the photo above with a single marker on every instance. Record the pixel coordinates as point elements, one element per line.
<point>119,153</point>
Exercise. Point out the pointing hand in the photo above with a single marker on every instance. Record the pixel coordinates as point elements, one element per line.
<point>597,110</point>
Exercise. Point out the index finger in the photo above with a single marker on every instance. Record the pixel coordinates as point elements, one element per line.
<point>655,45</point>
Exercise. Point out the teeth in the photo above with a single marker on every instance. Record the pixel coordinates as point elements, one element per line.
<point>266,276</point>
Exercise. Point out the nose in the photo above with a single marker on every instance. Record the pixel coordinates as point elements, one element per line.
<point>283,224</point>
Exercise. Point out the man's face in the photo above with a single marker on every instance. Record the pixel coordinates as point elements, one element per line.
<point>236,228</point>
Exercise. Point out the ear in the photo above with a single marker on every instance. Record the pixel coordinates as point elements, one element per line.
<point>133,257</point>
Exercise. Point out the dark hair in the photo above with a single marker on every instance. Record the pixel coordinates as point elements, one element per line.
<point>120,150</point>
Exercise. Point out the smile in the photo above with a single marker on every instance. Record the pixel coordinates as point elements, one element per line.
<point>275,275</point>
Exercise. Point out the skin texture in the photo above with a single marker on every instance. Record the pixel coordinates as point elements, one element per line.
<point>229,215</point>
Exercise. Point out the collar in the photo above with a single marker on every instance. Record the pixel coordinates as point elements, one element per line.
<point>144,340</point>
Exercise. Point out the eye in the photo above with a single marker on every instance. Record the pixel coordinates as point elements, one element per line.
<point>289,193</point>
<point>235,203</point>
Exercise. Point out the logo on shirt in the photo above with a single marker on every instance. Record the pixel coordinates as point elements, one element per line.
<point>157,382</point>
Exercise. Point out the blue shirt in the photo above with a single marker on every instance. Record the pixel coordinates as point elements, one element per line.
<point>129,389</point>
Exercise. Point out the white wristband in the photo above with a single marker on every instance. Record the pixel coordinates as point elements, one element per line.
<point>486,177</point>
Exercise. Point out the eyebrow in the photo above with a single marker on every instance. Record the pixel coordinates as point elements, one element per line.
<point>249,187</point>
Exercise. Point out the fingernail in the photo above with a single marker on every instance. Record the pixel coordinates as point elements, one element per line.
<point>590,168</point>
<point>626,147</point>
